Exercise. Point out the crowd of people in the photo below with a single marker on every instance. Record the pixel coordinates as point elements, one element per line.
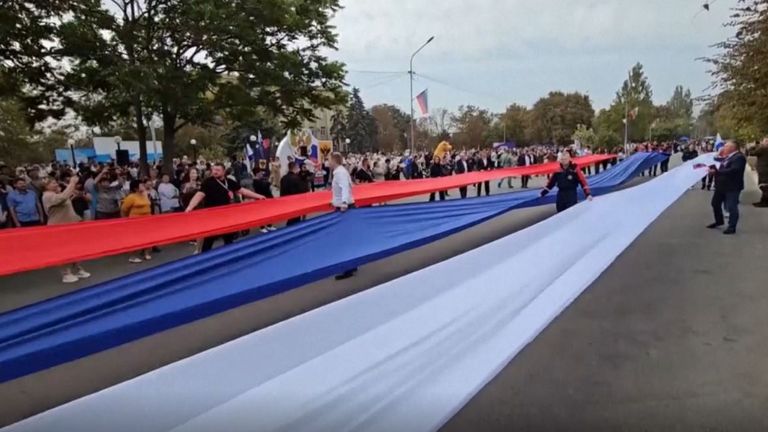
<point>57,193</point>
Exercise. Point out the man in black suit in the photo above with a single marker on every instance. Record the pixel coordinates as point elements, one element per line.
<point>525,159</point>
<point>292,184</point>
<point>729,182</point>
<point>481,164</point>
<point>462,167</point>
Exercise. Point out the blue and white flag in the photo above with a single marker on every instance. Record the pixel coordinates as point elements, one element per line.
<point>719,143</point>
<point>249,156</point>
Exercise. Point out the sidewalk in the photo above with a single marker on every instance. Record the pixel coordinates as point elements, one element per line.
<point>673,337</point>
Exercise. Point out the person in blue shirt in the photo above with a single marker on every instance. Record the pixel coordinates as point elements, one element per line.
<point>23,205</point>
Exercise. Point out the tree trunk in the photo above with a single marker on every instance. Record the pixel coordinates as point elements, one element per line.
<point>141,131</point>
<point>169,141</point>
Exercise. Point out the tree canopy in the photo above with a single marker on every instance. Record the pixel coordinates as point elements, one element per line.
<point>740,71</point>
<point>554,118</point>
<point>191,61</point>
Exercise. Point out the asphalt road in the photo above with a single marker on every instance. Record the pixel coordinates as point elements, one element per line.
<point>672,337</point>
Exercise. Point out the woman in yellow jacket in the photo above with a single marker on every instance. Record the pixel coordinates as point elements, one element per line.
<point>137,204</point>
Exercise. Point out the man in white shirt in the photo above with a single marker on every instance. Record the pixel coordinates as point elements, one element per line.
<point>341,185</point>
<point>341,190</point>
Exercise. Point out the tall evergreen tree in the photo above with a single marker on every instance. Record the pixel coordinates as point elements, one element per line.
<point>360,125</point>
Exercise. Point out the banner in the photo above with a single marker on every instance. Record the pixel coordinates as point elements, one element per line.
<point>403,356</point>
<point>87,321</point>
<point>117,236</point>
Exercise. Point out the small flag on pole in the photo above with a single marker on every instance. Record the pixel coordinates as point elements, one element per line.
<point>719,143</point>
<point>249,155</point>
<point>423,103</point>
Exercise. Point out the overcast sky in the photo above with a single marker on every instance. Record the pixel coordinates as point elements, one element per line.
<point>494,52</point>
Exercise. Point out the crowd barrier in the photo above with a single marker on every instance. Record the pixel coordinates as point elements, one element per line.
<point>33,248</point>
<point>403,356</point>
<point>109,314</point>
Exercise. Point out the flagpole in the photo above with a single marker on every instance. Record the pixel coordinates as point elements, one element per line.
<point>410,72</point>
<point>626,114</point>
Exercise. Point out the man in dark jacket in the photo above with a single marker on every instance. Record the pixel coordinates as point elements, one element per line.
<point>462,167</point>
<point>690,153</point>
<point>436,171</point>
<point>567,180</point>
<point>729,182</point>
<point>525,159</point>
<point>293,184</point>
<point>761,152</point>
<point>483,164</point>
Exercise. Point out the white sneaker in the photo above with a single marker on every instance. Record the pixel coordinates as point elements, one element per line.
<point>82,274</point>
<point>264,230</point>
<point>134,260</point>
<point>69,278</point>
<point>271,228</point>
<point>147,257</point>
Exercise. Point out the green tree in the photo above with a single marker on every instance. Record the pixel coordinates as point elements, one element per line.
<point>554,118</point>
<point>585,136</point>
<point>15,137</point>
<point>360,125</point>
<point>681,104</point>
<point>393,127</point>
<point>740,69</point>
<point>705,122</point>
<point>191,61</point>
<point>512,124</point>
<point>338,129</point>
<point>675,119</point>
<point>634,97</point>
<point>471,127</point>
<point>29,55</point>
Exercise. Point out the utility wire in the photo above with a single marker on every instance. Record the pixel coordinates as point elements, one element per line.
<point>376,72</point>
<point>455,87</point>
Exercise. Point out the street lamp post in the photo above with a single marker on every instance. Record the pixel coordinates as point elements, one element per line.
<point>346,147</point>
<point>71,144</point>
<point>193,143</point>
<point>626,113</point>
<point>118,140</point>
<point>410,72</point>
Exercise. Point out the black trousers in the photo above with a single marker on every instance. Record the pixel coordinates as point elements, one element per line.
<point>762,180</point>
<point>463,191</point>
<point>707,181</point>
<point>665,166</point>
<point>293,221</point>
<point>442,196</point>
<point>208,241</point>
<point>525,180</point>
<point>566,200</point>
<point>731,201</point>
<point>479,187</point>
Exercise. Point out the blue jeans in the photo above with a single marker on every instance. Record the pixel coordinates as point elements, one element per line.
<point>731,201</point>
